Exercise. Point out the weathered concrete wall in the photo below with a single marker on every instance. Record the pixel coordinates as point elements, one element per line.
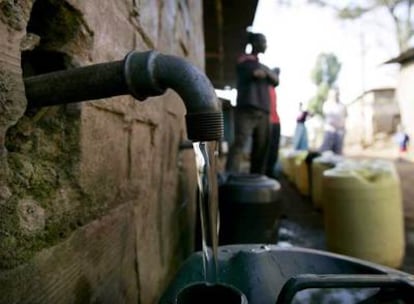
<point>373,114</point>
<point>405,96</point>
<point>97,201</point>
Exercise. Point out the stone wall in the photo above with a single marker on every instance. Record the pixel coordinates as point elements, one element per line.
<point>97,201</point>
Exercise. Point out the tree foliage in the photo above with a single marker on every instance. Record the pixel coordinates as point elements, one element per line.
<point>400,12</point>
<point>324,75</point>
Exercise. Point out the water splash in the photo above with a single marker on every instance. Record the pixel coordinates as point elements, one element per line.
<point>208,206</point>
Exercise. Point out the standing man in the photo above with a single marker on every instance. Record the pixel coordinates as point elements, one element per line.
<point>252,109</point>
<point>334,113</point>
<point>274,130</point>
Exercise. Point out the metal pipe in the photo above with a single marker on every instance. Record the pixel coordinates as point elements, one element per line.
<point>141,75</point>
<point>74,85</point>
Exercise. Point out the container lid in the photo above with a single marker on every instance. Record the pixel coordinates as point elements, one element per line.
<point>300,156</point>
<point>371,171</point>
<point>293,153</point>
<point>329,158</point>
<point>250,188</point>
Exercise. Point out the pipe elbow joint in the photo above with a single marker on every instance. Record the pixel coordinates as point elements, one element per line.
<point>150,74</point>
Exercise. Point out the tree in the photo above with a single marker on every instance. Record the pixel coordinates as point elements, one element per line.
<point>324,75</point>
<point>400,12</point>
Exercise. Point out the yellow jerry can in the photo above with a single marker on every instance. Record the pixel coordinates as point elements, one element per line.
<point>363,211</point>
<point>319,165</point>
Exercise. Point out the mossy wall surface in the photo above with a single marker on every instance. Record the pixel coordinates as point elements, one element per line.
<point>96,199</point>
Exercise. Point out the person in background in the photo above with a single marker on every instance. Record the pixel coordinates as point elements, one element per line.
<point>334,113</point>
<point>300,139</point>
<point>402,139</point>
<point>252,109</point>
<point>274,130</point>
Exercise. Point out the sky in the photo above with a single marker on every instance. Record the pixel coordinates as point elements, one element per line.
<point>296,35</point>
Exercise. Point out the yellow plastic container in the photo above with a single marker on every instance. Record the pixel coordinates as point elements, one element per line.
<point>319,165</point>
<point>363,212</point>
<point>291,158</point>
<point>284,155</point>
<point>288,160</point>
<point>301,173</point>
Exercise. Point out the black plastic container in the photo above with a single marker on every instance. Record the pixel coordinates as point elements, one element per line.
<point>268,274</point>
<point>249,207</point>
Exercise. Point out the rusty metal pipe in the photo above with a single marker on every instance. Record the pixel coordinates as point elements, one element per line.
<point>141,75</point>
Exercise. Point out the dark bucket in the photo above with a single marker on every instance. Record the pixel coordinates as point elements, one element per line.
<point>249,207</point>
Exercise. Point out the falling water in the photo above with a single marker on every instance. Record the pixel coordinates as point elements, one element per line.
<point>208,205</point>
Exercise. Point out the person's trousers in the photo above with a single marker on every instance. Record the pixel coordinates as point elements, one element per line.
<point>273,149</point>
<point>254,123</point>
<point>333,141</point>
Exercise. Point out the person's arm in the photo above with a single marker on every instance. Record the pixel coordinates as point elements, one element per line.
<point>259,73</point>
<point>271,76</point>
<point>263,72</point>
<point>249,70</point>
